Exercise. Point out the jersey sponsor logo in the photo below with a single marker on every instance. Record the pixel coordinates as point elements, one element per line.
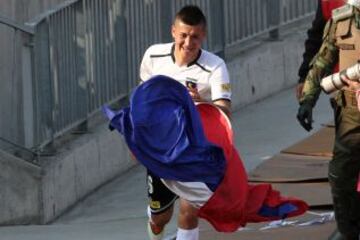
<point>225,87</point>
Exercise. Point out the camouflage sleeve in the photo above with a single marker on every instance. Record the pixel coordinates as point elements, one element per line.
<point>321,66</point>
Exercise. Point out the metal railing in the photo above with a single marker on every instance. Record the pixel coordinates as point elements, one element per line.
<point>247,19</point>
<point>87,52</point>
<point>16,121</point>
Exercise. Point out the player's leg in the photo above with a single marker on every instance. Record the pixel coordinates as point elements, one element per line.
<point>157,223</point>
<point>161,206</point>
<point>187,221</point>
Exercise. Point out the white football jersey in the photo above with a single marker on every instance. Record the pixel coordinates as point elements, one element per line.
<point>208,71</point>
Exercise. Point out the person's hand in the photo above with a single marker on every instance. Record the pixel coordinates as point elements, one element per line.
<point>299,88</point>
<point>304,115</point>
<point>353,85</point>
<point>225,106</point>
<point>194,94</point>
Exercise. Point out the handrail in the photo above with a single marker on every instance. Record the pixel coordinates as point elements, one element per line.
<point>18,26</point>
<point>33,22</point>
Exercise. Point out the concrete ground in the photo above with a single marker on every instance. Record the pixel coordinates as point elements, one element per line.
<point>117,210</point>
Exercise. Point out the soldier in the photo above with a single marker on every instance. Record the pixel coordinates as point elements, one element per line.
<point>341,43</point>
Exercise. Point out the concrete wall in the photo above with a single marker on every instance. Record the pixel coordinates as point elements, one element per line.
<point>82,163</point>
<point>20,191</point>
<point>80,166</point>
<point>266,68</point>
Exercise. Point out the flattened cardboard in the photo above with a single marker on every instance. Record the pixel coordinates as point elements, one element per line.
<point>318,144</point>
<point>291,168</point>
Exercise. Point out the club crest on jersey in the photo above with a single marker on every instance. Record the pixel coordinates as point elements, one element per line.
<point>191,83</point>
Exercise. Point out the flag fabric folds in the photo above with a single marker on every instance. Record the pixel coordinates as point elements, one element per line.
<point>162,129</point>
<point>177,140</point>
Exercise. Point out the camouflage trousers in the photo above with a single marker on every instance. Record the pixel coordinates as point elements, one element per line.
<point>344,168</point>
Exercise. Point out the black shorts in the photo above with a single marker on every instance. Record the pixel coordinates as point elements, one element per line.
<point>160,197</point>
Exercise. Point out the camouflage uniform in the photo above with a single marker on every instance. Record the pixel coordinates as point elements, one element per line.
<point>341,42</point>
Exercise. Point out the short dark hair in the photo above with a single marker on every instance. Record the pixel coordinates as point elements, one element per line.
<point>191,15</point>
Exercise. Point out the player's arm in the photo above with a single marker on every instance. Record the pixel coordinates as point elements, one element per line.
<point>224,105</point>
<point>145,67</point>
<point>221,89</point>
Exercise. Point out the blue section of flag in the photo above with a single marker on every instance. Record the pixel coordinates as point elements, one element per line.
<point>164,131</point>
<point>280,211</point>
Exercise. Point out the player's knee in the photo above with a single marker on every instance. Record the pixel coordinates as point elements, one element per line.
<point>188,213</point>
<point>188,216</point>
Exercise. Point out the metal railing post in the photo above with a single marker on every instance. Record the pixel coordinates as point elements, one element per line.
<point>44,109</point>
<point>165,20</point>
<point>80,62</point>
<point>217,24</point>
<point>28,90</point>
<point>274,12</point>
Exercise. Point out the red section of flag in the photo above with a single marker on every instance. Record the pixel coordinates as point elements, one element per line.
<point>235,202</point>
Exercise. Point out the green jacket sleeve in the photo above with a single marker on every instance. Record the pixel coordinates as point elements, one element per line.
<point>321,65</point>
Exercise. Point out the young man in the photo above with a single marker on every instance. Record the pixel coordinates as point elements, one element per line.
<point>207,79</point>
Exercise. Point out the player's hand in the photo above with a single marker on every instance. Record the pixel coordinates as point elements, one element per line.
<point>298,89</point>
<point>304,116</point>
<point>194,94</point>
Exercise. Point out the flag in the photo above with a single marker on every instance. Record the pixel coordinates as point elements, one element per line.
<point>177,140</point>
